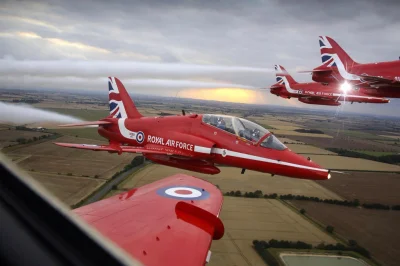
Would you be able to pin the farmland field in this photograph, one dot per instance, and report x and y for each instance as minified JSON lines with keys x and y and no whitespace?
{"x":361,"y":134}
{"x":248,"y":219}
{"x":230,"y":179}
{"x":347,"y":163}
{"x":376,"y":230}
{"x":349,"y":143}
{"x":86,"y":133}
{"x":49,"y":158}
{"x":89,"y":115}
{"x":308,"y":149}
{"x":294,"y":134}
{"x":70,"y":174}
{"x":10,"y":137}
{"x":68,"y":189}
{"x":13,"y":135}
{"x":367,"y":187}
{"x":283,"y":140}
{"x":285,"y":127}
{"x":377,"y":153}
{"x":391,"y":136}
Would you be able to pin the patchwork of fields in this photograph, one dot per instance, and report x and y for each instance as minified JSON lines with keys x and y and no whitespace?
{"x":376,"y":230}
{"x":248,"y":219}
{"x":347,"y":163}
{"x":367,"y":187}
{"x":70,"y":174}
{"x":230,"y":179}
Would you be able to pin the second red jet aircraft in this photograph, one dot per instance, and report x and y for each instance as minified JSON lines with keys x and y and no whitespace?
{"x":380,"y":79}
{"x":317,"y":93}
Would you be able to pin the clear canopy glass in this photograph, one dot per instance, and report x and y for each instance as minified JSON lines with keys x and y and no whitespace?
{"x":244,"y":129}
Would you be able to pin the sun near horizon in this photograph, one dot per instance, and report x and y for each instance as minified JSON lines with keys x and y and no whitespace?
{"x":236,"y":95}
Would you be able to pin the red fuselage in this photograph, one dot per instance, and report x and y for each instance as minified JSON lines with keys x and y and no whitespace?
{"x":352,"y":72}
{"x":191,"y":135}
{"x":316,"y":93}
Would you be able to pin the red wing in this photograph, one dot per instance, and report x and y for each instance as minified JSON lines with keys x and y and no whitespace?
{"x":150,"y":148}
{"x":375,"y":79}
{"x":275,"y":87}
{"x":316,"y":70}
{"x":169,"y":222}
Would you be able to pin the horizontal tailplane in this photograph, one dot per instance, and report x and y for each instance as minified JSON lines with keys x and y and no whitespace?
{"x":90,"y":123}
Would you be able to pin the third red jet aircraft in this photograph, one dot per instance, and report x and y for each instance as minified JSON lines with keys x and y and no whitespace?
{"x":376,"y":79}
{"x":196,"y":142}
{"x":317,"y":93}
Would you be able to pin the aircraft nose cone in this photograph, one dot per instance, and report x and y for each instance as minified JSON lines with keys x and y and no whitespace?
{"x":305,"y":168}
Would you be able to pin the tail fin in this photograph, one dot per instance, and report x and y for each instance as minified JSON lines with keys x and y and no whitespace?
{"x":332,"y":54}
{"x":121,"y":104}
{"x":282,"y":76}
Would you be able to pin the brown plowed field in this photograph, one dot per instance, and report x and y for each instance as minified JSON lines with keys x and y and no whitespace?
{"x":375,"y":230}
{"x":367,"y":187}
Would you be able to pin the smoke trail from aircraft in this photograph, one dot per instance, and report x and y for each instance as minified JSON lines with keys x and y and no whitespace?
{"x":18,"y":114}
{"x":84,"y":84}
{"x":122,"y":69}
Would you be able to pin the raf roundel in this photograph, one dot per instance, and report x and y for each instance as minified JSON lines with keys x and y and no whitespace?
{"x":183,"y":193}
{"x":140,"y":137}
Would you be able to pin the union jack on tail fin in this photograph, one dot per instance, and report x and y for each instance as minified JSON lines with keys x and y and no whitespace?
{"x":332,"y":55}
{"x":120,"y":103}
{"x":282,"y":75}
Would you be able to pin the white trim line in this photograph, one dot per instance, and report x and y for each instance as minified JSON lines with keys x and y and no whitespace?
{"x":261,"y":159}
{"x":202,"y":149}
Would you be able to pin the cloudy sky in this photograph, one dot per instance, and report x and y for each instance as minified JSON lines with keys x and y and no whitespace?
{"x":203,"y":49}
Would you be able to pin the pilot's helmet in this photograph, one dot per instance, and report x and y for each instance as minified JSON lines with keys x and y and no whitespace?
{"x":256,"y":132}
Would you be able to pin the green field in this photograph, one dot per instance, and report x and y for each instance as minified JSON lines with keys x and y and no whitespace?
{"x":360,"y":134}
{"x":89,"y":115}
{"x":376,"y":153}
{"x":86,"y":133}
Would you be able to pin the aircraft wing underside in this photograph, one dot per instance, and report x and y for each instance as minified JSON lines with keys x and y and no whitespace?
{"x":377,"y":82}
{"x":169,"y":222}
{"x":150,"y":148}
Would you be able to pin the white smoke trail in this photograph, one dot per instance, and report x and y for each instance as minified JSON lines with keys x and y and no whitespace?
{"x":102,"y":68}
{"x":25,"y":114}
{"x":29,"y":82}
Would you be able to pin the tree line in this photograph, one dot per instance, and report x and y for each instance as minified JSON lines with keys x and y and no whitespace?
{"x":29,"y":140}
{"x":353,"y":203}
{"x":391,"y":159}
{"x":138,"y":160}
{"x":313,"y":131}
{"x":262,"y":248}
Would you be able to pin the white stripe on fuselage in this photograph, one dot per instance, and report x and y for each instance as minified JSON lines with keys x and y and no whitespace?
{"x":201,"y":149}
{"x":287,"y":85}
{"x":126,"y":133}
{"x":261,"y":159}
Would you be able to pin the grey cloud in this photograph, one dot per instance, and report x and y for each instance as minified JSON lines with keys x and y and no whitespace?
{"x":232,"y":33}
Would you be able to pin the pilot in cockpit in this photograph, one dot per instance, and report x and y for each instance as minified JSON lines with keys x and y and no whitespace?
{"x":255,"y":134}
{"x":221,"y":123}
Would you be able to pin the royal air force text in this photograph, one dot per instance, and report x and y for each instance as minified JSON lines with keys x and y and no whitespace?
{"x":170,"y":143}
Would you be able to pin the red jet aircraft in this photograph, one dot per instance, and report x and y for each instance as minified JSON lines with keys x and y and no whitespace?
{"x":380,"y":79}
{"x":196,"y":142}
{"x":169,"y":222}
{"x":316,"y":93}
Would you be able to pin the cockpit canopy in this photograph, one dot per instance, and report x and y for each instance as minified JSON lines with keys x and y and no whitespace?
{"x":244,"y":129}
